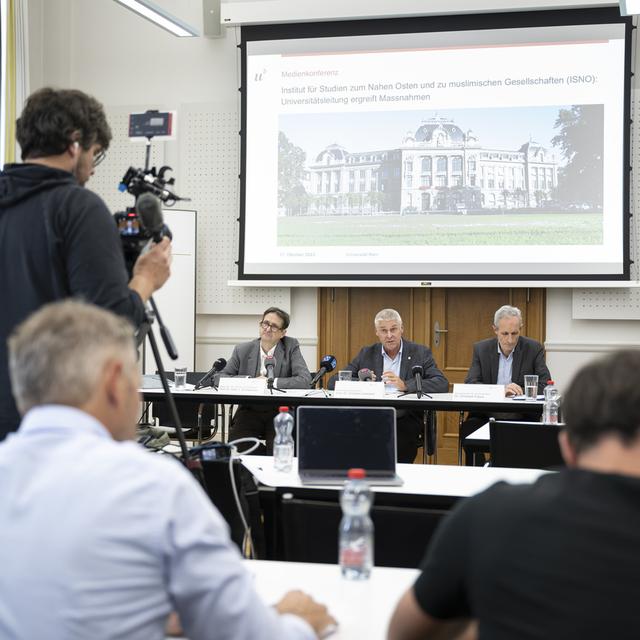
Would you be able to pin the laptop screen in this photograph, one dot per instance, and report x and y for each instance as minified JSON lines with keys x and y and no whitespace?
{"x":340,"y":438}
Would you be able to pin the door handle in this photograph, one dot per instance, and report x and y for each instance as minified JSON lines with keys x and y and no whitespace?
{"x":436,"y":333}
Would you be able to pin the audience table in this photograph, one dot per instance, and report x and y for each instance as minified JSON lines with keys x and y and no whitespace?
{"x":301,"y":521}
{"x":362,"y":608}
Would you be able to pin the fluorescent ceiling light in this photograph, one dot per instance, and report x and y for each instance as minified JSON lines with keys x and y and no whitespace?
{"x":629,"y":7}
{"x":160,"y":17}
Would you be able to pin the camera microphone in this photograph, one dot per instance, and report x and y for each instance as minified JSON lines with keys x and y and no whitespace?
{"x":149,"y":210}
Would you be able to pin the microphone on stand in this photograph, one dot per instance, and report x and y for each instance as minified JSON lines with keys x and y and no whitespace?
{"x":327,"y":364}
{"x":269,"y":365}
{"x":365,"y":375}
{"x":416,"y":372}
{"x":218,"y":365}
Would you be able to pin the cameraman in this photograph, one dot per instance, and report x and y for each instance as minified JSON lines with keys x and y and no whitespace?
{"x":57,"y":239}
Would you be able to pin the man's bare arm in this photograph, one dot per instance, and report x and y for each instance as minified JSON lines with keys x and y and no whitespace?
{"x":410,"y":622}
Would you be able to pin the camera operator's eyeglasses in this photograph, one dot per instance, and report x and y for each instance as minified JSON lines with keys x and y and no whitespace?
{"x":99,"y":157}
{"x":267,"y":325}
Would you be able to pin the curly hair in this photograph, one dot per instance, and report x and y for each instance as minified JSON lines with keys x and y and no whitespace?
{"x":52,"y":119}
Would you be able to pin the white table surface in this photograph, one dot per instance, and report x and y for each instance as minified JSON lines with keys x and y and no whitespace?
{"x":362,"y":608}
{"x":444,"y":400}
{"x":419,"y":479}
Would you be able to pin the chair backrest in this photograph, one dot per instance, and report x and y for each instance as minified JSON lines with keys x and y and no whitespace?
{"x":310,"y":529}
{"x":525,"y":445}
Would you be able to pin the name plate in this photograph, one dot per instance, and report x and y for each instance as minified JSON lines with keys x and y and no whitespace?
{"x":254,"y":386}
{"x":357,"y":389}
{"x":491,"y":392}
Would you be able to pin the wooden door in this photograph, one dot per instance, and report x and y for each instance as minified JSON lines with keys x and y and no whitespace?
{"x":345,"y":318}
{"x":463,"y":315}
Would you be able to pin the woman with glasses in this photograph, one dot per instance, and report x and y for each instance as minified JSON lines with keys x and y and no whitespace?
{"x":290,"y":371}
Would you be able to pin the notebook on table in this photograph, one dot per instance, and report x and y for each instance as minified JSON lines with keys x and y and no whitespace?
{"x":332,"y":440}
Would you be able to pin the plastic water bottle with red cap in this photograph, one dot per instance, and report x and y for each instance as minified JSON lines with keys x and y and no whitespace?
{"x":356,"y":528}
{"x":283,"y":441}
{"x":551,"y":407}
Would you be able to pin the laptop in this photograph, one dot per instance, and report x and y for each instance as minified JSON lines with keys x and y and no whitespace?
{"x":332,"y":440}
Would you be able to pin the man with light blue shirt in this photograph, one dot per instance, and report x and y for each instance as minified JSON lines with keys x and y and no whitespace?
{"x":98,"y":537}
{"x":392,"y":360}
{"x":505,"y":360}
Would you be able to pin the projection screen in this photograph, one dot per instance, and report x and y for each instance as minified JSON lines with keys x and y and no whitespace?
{"x":413,"y":149}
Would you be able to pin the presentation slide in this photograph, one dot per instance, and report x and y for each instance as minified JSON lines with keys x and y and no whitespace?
{"x":495,"y":153}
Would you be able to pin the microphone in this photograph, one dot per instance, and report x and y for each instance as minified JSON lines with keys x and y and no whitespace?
{"x":218,"y":365}
{"x":269,"y":365}
{"x":364,"y":375}
{"x":416,"y":372}
{"x":149,"y":210}
{"x":328,"y":363}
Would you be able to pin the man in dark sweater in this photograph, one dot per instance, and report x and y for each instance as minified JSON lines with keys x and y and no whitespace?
{"x":555,"y":559}
{"x":58,"y":239}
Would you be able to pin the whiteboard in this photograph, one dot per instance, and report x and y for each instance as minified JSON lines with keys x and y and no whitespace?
{"x":176,"y":301}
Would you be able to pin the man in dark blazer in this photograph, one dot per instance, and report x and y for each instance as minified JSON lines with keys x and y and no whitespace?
{"x":505,"y":359}
{"x":247,"y":360}
{"x":391,"y":360}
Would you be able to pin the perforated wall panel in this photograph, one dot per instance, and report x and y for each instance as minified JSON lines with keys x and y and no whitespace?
{"x":205,"y":161}
{"x":618,"y":304}
{"x":209,"y":149}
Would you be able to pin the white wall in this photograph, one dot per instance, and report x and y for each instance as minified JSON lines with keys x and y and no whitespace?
{"x":107,"y":51}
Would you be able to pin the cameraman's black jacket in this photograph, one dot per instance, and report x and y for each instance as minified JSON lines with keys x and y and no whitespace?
{"x":57,"y":239}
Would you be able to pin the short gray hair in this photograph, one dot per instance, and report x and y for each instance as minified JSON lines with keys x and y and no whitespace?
{"x":506,"y":311}
{"x":57,"y":354}
{"x":387,"y":314}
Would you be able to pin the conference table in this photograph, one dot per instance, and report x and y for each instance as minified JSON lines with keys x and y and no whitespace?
{"x":301,"y":522}
{"x":362,"y":608}
{"x":295,"y":397}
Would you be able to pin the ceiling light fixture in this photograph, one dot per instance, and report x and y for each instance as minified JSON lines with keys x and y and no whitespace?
{"x":160,"y":17}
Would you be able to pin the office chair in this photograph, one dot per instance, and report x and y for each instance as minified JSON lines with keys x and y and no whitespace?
{"x":310,"y":529}
{"x":430,"y":435}
{"x":193,"y":414}
{"x":525,"y":445}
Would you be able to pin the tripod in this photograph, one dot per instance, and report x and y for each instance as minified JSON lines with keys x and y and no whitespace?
{"x":144,"y":331}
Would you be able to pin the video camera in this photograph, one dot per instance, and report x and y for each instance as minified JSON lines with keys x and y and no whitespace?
{"x":140,"y":225}
{"x":139,"y":181}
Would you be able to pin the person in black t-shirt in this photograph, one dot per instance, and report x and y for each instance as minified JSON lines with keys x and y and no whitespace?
{"x":556,"y":559}
{"x":58,"y":239}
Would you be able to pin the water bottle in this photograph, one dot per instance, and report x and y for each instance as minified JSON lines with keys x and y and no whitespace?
{"x":356,"y":528}
{"x":283,"y":442}
{"x":551,"y":407}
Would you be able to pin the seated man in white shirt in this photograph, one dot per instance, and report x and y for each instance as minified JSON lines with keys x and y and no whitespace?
{"x":98,"y":537}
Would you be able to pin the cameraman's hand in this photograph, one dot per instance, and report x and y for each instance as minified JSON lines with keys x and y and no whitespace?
{"x":152,"y":270}
{"x":304,"y":606}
